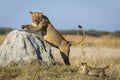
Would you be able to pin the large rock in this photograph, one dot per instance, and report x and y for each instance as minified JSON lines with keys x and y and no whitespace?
{"x":21,"y":46}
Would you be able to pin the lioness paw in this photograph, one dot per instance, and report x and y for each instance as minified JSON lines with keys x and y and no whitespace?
{"x":23,"y":26}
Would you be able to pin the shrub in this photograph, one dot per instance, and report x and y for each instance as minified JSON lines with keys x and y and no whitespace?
{"x":5,"y":30}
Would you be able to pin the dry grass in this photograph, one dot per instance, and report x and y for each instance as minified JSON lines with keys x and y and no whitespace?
{"x":36,"y":71}
{"x":106,"y":41}
{"x":2,"y":38}
{"x":97,"y":52}
{"x":96,"y":57}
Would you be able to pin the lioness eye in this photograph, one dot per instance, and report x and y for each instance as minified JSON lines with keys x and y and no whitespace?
{"x":39,"y":19}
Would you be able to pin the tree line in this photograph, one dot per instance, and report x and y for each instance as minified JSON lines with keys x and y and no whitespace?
{"x":96,"y":33}
{"x":5,"y":30}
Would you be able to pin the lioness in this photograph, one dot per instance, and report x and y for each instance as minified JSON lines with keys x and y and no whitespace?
{"x":40,"y":23}
{"x":87,"y":70}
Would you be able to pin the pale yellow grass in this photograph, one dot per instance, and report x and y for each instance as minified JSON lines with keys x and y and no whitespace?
{"x":106,"y":41}
{"x":97,"y":52}
{"x":2,"y":38}
{"x":96,"y":57}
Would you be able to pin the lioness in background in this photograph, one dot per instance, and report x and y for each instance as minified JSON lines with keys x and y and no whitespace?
{"x":88,"y":70}
{"x":40,"y":23}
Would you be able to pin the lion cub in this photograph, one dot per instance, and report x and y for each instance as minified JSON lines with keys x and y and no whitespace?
{"x":87,"y":70}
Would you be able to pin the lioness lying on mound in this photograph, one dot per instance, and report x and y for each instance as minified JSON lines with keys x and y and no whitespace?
{"x":40,"y":23}
{"x":85,"y":69}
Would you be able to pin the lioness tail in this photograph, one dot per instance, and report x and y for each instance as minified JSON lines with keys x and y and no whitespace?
{"x":82,"y":37}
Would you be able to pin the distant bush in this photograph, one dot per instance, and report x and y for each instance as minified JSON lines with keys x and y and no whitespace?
{"x":116,"y":33}
{"x":5,"y":30}
{"x":73,"y":32}
{"x":95,"y":33}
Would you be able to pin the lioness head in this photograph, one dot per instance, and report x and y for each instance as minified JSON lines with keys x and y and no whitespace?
{"x":36,"y":17}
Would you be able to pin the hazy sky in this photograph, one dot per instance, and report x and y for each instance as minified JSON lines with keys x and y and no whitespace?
{"x":63,"y":14}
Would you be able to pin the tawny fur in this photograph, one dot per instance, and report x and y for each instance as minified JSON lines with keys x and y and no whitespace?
{"x":88,"y":70}
{"x":40,"y":23}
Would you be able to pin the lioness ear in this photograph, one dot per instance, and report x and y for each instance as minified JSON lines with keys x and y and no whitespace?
{"x":41,"y":13}
{"x":31,"y":12}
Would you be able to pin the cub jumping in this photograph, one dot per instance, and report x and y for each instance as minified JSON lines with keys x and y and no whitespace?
{"x":41,"y":24}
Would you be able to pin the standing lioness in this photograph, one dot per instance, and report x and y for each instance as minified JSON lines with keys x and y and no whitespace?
{"x":40,"y":23}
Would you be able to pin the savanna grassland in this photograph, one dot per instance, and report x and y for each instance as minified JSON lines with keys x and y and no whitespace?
{"x":96,"y":51}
